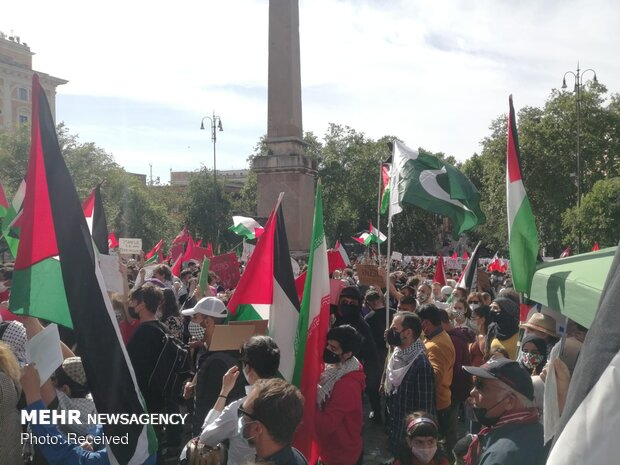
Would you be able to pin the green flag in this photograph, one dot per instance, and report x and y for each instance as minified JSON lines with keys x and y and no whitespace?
{"x":435,"y":186}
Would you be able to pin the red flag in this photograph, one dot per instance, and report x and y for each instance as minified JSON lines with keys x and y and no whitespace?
{"x":182,"y":237}
{"x":465,"y":255}
{"x":596,"y":247}
{"x":155,"y":249}
{"x":210,"y":250}
{"x":176,"y":268}
{"x":197,"y":244}
{"x":454,"y":256}
{"x":566,"y":252}
{"x":300,"y":283}
{"x":440,"y":274}
{"x":112,"y":241}
{"x":503,"y":266}
{"x":335,"y":261}
{"x":189,"y":251}
{"x":176,"y":251}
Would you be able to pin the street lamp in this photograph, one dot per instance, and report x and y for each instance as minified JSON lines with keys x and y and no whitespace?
{"x":216,"y":123}
{"x":578,"y":83}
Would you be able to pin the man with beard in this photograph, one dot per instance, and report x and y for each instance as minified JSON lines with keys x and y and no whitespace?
{"x":349,"y":312}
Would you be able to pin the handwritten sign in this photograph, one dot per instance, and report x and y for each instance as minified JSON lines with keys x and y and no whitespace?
{"x":227,"y":268}
{"x":129,"y":246}
{"x":369,"y":275}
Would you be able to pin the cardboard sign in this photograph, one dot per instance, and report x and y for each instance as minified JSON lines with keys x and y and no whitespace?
{"x":129,"y":246}
{"x":369,"y":275}
{"x":227,"y":268}
{"x":112,"y":277}
{"x":260,"y":326}
{"x":230,"y":337}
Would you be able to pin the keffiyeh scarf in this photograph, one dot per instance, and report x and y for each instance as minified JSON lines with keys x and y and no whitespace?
{"x":331,"y":375}
{"x":399,"y":365}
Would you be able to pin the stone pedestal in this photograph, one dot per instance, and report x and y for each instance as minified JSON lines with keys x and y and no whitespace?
{"x":293,"y":174}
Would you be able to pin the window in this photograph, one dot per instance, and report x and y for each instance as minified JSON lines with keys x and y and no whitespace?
{"x":22,"y":94}
{"x":23,"y":119}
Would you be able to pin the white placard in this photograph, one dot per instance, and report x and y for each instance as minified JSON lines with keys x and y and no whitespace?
{"x":111,"y":275}
{"x":397,"y":256}
{"x":44,"y":350}
{"x":129,"y":245}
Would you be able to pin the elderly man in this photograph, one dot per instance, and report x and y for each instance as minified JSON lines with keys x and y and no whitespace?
{"x":502,"y":399}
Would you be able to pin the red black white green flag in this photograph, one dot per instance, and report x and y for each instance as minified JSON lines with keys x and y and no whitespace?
{"x":95,"y":218}
{"x":56,"y":265}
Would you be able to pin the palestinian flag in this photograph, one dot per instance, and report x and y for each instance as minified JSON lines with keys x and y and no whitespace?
{"x":585,"y":433}
{"x":246,"y":227}
{"x":154,"y":254}
{"x":182,"y":237}
{"x":4,"y":203}
{"x":95,"y":218}
{"x":373,"y":236}
{"x":385,"y":188}
{"x":312,"y":331}
{"x":266,"y":290}
{"x":468,"y":278}
{"x":522,"y":232}
{"x":435,"y":186}
{"x":12,"y":219}
{"x":56,"y":258}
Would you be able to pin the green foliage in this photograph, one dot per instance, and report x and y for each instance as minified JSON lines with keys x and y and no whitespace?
{"x":598,"y":217}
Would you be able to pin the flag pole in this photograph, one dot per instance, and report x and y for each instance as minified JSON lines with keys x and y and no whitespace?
{"x":379,"y":207}
{"x":387,"y":276}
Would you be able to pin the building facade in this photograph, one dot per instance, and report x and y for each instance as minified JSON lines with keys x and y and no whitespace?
{"x":16,"y":83}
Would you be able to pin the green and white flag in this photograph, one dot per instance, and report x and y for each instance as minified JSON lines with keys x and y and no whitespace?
{"x":522,"y":232}
{"x":435,"y":186}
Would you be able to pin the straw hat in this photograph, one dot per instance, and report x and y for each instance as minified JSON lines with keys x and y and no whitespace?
{"x":541,"y":322}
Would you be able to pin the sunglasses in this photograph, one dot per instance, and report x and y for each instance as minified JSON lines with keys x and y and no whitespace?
{"x":473,"y":302}
{"x":241,"y":412}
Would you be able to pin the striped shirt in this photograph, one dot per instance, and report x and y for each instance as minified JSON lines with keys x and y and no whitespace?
{"x":416,"y":392}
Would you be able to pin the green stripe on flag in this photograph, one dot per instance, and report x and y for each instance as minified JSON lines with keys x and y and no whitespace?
{"x":39,"y":291}
{"x":246,"y":312}
{"x":523,"y":247}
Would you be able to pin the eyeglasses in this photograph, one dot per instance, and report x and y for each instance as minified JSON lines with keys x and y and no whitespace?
{"x":241,"y":412}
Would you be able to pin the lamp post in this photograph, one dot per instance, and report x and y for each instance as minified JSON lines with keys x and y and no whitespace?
{"x":578,"y":83}
{"x":216,"y":123}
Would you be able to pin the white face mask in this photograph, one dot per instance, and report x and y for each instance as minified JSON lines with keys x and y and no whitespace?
{"x":240,"y":428}
{"x":424,"y":455}
{"x":246,"y":373}
{"x":474,"y":306}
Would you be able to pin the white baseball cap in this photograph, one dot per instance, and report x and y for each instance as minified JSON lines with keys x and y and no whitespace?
{"x":209,"y":306}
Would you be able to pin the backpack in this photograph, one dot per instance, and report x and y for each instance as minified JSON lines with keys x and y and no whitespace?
{"x":172,"y":368}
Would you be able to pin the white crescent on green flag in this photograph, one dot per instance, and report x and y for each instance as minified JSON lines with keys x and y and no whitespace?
{"x":246,"y":227}
{"x":435,"y":186}
{"x":522,"y":233}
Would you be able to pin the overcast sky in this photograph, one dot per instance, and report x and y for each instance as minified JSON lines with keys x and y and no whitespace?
{"x":143,"y":74}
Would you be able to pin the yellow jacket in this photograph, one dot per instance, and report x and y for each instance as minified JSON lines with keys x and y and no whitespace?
{"x":440,"y":352}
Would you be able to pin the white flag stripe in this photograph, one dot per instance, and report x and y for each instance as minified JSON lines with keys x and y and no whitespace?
{"x":283,"y":319}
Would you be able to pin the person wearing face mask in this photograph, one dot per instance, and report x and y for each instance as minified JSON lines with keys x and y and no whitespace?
{"x":533,"y":356}
{"x":409,"y":379}
{"x":503,"y":332}
{"x":349,"y":312}
{"x":421,"y":442}
{"x":339,"y":418}
{"x":503,"y":402}
{"x":260,"y":359}
{"x":268,"y":419}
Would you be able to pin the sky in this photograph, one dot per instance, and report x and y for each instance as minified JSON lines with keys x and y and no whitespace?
{"x":142,"y":75}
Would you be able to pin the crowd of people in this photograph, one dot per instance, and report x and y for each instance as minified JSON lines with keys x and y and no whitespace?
{"x":448,"y":375}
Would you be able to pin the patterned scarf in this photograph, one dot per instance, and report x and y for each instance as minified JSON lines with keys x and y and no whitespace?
{"x":331,"y":375}
{"x":15,"y":337}
{"x":520,"y":417}
{"x":399,"y":365}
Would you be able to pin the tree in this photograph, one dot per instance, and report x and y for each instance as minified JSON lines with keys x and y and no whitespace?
{"x":598,"y":217}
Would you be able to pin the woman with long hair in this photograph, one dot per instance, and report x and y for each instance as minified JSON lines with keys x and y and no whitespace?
{"x":10,"y":391}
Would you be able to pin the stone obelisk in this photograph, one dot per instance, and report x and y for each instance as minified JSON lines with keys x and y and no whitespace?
{"x":286,"y":168}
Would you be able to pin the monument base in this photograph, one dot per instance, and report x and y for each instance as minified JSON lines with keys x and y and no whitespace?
{"x":295,"y":176}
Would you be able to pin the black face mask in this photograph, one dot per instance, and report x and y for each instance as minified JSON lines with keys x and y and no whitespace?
{"x":393,"y":337}
{"x":349,"y":311}
{"x":330,"y":357}
{"x":481,"y":415}
{"x":132,"y":313}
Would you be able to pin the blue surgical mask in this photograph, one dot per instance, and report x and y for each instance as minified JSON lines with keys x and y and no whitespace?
{"x":240,"y":427}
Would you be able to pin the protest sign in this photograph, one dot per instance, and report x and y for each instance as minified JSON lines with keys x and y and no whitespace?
{"x":111,"y":274}
{"x":43,"y":349}
{"x":227,"y":268}
{"x":397,"y":256}
{"x":129,"y":246}
{"x":369,"y":275}
{"x":230,"y":337}
{"x":260,"y":326}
